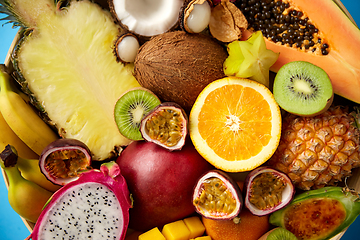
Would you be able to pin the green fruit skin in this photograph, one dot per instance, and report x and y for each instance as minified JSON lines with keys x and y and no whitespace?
{"x":349,"y":200}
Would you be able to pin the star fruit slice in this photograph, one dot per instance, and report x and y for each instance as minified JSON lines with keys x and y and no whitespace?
{"x":250,"y":59}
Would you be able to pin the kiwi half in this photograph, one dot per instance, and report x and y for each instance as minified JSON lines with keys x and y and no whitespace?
{"x":303,"y":88}
{"x":130,"y":109}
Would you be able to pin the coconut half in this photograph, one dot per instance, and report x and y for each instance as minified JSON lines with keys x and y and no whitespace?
{"x":147,"y":17}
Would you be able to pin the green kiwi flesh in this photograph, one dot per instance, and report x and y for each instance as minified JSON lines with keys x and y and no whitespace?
{"x":303,"y":88}
{"x":130,"y":109}
{"x":281,"y":234}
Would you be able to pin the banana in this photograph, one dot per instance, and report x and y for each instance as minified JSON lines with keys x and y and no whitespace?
{"x":30,"y":170}
{"x":25,"y":197}
{"x":8,"y":136}
{"x":21,"y":117}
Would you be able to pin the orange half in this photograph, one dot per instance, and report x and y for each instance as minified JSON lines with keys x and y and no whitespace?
{"x":235,"y":124}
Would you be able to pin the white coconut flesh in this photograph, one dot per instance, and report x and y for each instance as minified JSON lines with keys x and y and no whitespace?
{"x":83,"y":213}
{"x":148,"y":17}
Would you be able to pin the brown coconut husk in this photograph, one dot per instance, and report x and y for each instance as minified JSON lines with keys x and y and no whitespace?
{"x":177,"y":66}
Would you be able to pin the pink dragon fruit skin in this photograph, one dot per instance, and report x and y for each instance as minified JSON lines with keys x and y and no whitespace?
{"x":95,"y":206}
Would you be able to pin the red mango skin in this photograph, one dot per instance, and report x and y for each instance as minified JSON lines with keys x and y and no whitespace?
{"x":161,"y":182}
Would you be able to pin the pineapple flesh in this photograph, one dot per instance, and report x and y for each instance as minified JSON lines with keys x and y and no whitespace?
{"x":318,"y":151}
{"x":66,"y":63}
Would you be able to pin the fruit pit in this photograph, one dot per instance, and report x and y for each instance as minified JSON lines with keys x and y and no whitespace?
{"x":165,"y":126}
{"x":283,"y":23}
{"x":266,"y":191}
{"x":215,"y":198}
{"x":66,"y":163}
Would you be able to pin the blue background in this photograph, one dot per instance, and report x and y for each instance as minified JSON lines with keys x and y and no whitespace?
{"x":11,"y":225}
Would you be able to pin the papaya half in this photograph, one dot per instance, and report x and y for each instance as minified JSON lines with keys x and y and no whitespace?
{"x":318,"y":31}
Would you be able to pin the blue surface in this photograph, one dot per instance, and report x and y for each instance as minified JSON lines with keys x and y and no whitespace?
{"x":11,"y":225}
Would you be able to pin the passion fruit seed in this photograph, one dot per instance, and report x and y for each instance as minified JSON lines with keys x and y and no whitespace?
{"x":66,"y":163}
{"x":165,"y":126}
{"x":266,"y":190}
{"x":215,"y":197}
{"x":281,"y":22}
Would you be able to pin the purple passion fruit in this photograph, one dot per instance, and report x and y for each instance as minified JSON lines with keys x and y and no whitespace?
{"x":165,"y":125}
{"x":267,"y":190}
{"x":217,"y":196}
{"x":318,"y":214}
{"x":62,"y":160}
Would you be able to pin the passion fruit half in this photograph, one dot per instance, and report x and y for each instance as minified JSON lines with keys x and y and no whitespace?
{"x":267,"y":190}
{"x":217,"y":196}
{"x":62,"y":160}
{"x":165,"y":125}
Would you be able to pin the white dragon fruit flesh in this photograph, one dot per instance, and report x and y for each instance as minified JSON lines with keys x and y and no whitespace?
{"x":95,"y":206}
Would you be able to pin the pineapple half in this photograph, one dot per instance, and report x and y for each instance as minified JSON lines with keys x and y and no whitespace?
{"x":65,"y":62}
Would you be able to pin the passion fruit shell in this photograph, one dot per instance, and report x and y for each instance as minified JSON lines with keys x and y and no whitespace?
{"x":166,"y":125}
{"x":217,"y":196}
{"x":62,"y":160}
{"x":267,"y":190}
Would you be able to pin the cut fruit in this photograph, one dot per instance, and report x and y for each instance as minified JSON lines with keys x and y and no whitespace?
{"x":320,"y":32}
{"x":235,"y":124}
{"x":165,"y":125}
{"x":303,"y":89}
{"x":147,"y":18}
{"x":65,"y":63}
{"x":217,"y":196}
{"x":131,"y":108}
{"x":250,"y":59}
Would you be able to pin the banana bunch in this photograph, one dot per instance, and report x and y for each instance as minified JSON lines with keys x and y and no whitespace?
{"x":21,"y":117}
{"x":25,"y":131}
{"x":25,"y":197}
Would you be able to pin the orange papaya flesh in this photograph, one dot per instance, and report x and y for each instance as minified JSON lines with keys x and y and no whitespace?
{"x":342,"y":62}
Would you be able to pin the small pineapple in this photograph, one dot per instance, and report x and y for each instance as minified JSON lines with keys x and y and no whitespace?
{"x":65,"y":62}
{"x":318,"y":151}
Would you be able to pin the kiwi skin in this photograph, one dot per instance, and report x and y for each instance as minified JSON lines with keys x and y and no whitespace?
{"x":287,"y":95}
{"x":278,"y":233}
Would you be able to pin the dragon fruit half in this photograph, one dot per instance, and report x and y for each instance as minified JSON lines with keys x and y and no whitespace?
{"x":95,"y":206}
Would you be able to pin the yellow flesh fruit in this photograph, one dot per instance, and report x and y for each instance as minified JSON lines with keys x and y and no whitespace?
{"x":176,"y":231}
{"x":195,"y":226}
{"x":74,"y":75}
{"x":215,"y":198}
{"x":153,"y":234}
{"x":165,"y":126}
{"x":266,"y":190}
{"x":66,"y":163}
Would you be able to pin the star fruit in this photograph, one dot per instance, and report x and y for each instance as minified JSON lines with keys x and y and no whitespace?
{"x":250,"y":59}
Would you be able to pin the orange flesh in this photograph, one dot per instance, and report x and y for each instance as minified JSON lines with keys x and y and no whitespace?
{"x":245,"y":125}
{"x":315,"y":218}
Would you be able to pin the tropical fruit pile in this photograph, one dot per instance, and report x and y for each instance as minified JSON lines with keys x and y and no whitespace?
{"x":181,"y":119}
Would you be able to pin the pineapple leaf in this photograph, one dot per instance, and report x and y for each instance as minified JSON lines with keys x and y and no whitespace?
{"x":356,"y":115}
{"x":12,"y":17}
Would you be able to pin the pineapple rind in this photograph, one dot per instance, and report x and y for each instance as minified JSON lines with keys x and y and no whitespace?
{"x":69,"y":66}
{"x":318,"y":151}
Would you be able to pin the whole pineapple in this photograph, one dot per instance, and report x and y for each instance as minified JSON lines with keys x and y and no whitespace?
{"x":318,"y":151}
{"x":65,"y":62}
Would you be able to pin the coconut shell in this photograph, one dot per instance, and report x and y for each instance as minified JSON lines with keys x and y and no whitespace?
{"x":177,"y":66}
